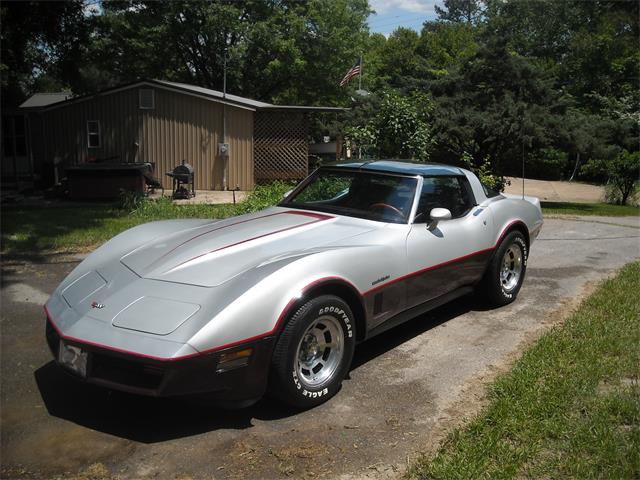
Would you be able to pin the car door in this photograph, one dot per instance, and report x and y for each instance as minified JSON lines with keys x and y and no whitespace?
{"x":451,"y":253}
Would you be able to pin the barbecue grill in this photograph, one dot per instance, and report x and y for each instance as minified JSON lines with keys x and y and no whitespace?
{"x":183,"y":181}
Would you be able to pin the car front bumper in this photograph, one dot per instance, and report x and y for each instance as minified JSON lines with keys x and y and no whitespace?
{"x":196,"y":375}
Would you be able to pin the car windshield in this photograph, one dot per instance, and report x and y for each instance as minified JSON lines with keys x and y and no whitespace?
{"x":374,"y":196}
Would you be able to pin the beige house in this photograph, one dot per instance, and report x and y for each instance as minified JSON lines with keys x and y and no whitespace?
{"x":164,"y":123}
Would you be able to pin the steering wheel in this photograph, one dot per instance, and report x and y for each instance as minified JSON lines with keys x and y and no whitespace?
{"x":389,"y":207}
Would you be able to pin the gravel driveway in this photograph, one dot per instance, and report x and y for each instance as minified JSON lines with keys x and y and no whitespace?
{"x":406,"y":389}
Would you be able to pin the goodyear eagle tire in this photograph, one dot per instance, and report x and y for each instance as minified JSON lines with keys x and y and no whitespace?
{"x":313,"y":353}
{"x":505,"y":274}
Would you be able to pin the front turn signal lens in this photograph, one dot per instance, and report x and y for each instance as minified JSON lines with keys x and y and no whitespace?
{"x":232,"y":360}
{"x":73,"y":358}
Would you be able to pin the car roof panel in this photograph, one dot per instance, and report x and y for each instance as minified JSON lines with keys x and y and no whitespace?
{"x":404,"y":167}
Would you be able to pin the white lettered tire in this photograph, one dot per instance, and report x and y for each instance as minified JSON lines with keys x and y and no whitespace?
{"x":505,"y":274}
{"x":313,"y":353}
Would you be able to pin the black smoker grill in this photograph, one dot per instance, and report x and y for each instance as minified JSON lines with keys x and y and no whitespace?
{"x":183,"y":181}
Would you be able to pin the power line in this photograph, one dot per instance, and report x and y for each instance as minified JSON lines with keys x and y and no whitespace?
{"x":393,"y":18}
{"x":420,"y":19}
{"x":391,"y":24}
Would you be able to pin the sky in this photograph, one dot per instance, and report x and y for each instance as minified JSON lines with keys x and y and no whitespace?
{"x":391,"y":14}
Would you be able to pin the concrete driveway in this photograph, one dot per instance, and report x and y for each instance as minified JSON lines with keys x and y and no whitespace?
{"x":406,"y":389}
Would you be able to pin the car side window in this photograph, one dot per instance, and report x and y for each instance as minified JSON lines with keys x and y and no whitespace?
{"x":444,"y":192}
{"x":489,"y":192}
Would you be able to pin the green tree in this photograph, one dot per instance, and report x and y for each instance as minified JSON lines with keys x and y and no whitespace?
{"x":446,"y":46}
{"x":590,"y":46}
{"x":622,"y":173}
{"x":402,"y":126}
{"x":492,"y":107}
{"x":401,"y":67}
{"x":276,"y":51}
{"x":399,"y":128}
{"x":459,"y":11}
{"x":42,"y":43}
{"x":375,"y":77}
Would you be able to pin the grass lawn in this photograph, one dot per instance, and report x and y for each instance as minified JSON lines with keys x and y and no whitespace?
{"x":570,"y":407}
{"x":77,"y":228}
{"x":29,"y":230}
{"x":82,"y":227}
{"x":604,"y":209}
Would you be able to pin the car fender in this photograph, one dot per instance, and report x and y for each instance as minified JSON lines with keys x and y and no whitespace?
{"x":509,"y":212}
{"x":265,"y":301}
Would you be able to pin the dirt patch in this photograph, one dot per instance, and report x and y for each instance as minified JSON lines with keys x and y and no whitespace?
{"x":556,"y":191}
{"x":606,"y":388}
{"x":64,"y":448}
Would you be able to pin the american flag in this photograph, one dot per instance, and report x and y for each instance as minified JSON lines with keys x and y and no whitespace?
{"x":355,"y":70}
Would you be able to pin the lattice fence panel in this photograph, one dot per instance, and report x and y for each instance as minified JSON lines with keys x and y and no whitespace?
{"x":280,"y":146}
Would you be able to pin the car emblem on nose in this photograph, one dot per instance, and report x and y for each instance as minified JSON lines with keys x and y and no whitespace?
{"x":97,"y":305}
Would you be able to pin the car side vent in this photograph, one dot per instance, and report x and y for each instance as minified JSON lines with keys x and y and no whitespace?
{"x":146,"y":98}
{"x":377,"y":304}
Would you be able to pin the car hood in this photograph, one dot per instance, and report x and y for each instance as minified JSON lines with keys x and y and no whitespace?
{"x":214,"y":253}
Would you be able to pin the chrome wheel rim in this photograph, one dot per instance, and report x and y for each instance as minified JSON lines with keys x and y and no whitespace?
{"x":320,"y":351}
{"x":511,"y":268}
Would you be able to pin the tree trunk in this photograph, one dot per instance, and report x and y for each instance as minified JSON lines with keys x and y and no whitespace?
{"x":575,"y":169}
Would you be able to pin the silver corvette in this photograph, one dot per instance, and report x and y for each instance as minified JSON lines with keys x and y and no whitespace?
{"x":276,"y":301}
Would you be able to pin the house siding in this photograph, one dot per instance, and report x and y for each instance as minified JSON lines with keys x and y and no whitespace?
{"x":180,"y":127}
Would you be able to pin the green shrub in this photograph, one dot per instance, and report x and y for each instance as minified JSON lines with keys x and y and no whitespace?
{"x":264,"y":196}
{"x":484,"y":173}
{"x":130,"y":201}
{"x":142,"y":207}
{"x":622,"y":173}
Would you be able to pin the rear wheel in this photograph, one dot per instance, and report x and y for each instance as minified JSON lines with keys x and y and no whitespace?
{"x":313,"y":353}
{"x":505,"y":274}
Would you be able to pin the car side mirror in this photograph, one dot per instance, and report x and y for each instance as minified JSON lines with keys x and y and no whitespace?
{"x":438,"y":215}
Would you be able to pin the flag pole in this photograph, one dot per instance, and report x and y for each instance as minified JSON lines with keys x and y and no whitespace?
{"x":360,"y":75}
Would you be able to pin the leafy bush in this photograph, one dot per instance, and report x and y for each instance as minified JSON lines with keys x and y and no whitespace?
{"x":484,"y":173}
{"x":612,"y":195}
{"x":146,"y":209}
{"x":622,"y":173}
{"x":130,"y":201}
{"x":264,"y":196}
{"x":153,"y":209}
{"x":398,"y":128}
{"x":402,"y":126}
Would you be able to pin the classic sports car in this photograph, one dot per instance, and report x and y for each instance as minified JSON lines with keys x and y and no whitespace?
{"x":277,"y":300}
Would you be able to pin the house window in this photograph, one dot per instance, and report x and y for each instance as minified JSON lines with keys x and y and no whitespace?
{"x":93,"y":134}
{"x":146,"y":98}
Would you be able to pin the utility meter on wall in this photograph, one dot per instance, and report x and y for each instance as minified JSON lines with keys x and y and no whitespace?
{"x":223,"y":149}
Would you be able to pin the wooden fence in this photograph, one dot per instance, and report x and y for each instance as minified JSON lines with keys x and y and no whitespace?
{"x":281,"y":146}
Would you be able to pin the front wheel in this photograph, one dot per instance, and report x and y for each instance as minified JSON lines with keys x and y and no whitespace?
{"x":505,"y":274}
{"x":313,"y":353}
